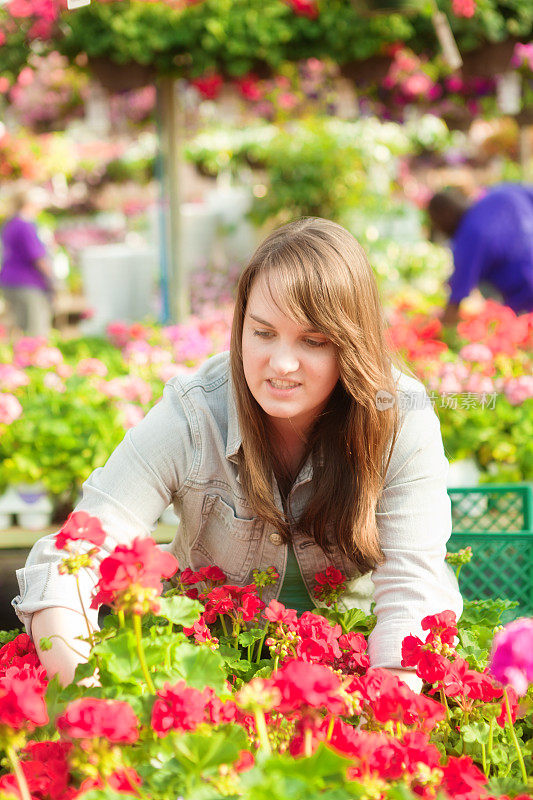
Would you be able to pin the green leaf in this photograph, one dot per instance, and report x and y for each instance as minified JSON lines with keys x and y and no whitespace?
{"x":8,"y":636}
{"x":180,"y":610}
{"x":169,"y":658}
{"x":199,"y":754}
{"x":475,"y":732}
{"x":200,"y":667}
{"x":108,"y":794}
{"x":247,"y":638}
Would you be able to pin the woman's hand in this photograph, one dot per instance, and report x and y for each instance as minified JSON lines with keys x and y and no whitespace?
{"x":62,"y":625}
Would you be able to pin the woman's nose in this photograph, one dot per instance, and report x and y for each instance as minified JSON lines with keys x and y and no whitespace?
{"x":283,"y":361}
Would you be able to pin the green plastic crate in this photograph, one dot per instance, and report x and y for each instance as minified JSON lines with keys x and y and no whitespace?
{"x":497,"y":522}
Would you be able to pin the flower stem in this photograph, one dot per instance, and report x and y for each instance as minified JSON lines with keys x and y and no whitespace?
{"x":235,"y":633}
{"x":491,"y":736}
{"x":444,"y":703}
{"x":19,"y":774}
{"x":260,"y":647}
{"x":58,"y":636}
{"x":484,"y":759}
{"x":262,"y":731}
{"x":513,"y":737}
{"x":331,"y":725}
{"x":121,"y":619}
{"x":308,"y":742}
{"x":86,"y":618}
{"x":223,"y":623}
{"x":137,"y":627}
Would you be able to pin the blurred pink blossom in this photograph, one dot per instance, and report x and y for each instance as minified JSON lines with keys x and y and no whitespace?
{"x":91,"y":366}
{"x":476,"y":352}
{"x":10,"y":408}
{"x":511,"y":659}
{"x":54,"y":382}
{"x":131,"y":414}
{"x":12,"y":378}
{"x":168,"y":371}
{"x":64,"y":370}
{"x":478,"y":383}
{"x":518,"y":390}
{"x":449,"y":385}
{"x":142,"y":354}
{"x":25,"y":348}
{"x":127,"y":387}
{"x":47,"y":357}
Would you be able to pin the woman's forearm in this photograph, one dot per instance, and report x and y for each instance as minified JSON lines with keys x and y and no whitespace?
{"x":409,"y":677}
{"x":64,"y":626}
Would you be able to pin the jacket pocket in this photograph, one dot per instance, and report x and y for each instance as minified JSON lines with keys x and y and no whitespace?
{"x":225,"y":540}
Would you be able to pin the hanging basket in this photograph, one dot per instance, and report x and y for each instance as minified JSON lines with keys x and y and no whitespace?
{"x":121,"y":77}
{"x":366,"y":71}
{"x":489,"y":60}
{"x":458,"y":119}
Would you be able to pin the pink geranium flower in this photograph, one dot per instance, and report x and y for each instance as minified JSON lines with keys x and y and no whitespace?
{"x":511,"y":660}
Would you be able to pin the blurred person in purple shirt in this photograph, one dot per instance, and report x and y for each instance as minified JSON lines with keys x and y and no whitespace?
{"x":26,"y":278}
{"x":492,"y":245}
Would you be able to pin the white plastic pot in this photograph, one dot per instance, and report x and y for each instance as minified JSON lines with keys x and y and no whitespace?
{"x":34,"y":520}
{"x":6,"y":521}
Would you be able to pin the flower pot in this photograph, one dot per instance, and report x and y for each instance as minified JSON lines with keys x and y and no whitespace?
{"x":121,"y":77}
{"x":489,"y":60}
{"x":466,"y":473}
{"x":8,"y":504}
{"x":33,"y":507}
{"x":6,"y":521}
{"x":366,"y":71}
{"x":34,"y":520}
{"x":463,"y":472}
{"x":458,"y":119}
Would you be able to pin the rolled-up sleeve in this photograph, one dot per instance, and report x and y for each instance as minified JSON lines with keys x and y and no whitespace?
{"x":414,"y":522}
{"x":146,"y":472}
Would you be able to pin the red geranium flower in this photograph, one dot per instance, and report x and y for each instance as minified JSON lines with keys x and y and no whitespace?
{"x":304,"y":8}
{"x":131,"y":576}
{"x":277,"y":613}
{"x":461,"y":680}
{"x":311,"y":686}
{"x":124,"y":781}
{"x":354,"y":656}
{"x":93,"y":717}
{"x":443,"y":625}
{"x":386,"y":697}
{"x":22,"y":701}
{"x":80,"y":525}
{"x":20,"y":652}
{"x":179,"y":708}
{"x":319,"y":639}
{"x":461,"y":778}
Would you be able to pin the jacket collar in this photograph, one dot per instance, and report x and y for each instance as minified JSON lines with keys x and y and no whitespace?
{"x":234,"y":440}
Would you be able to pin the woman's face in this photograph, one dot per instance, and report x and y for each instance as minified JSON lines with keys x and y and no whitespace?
{"x":290,"y":369}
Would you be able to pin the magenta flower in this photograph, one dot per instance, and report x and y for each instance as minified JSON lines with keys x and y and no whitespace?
{"x":511,"y":660}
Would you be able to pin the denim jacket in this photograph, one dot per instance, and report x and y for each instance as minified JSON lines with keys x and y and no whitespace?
{"x":185,"y":452}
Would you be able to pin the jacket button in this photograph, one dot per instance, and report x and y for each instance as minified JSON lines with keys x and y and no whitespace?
{"x":275,"y":538}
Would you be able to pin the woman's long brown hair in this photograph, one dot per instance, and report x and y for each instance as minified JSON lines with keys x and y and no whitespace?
{"x":319,"y":275}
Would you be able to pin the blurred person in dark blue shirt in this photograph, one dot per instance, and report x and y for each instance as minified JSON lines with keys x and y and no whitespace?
{"x":492,"y":245}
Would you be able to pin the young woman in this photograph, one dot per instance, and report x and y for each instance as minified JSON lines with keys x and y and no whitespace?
{"x":302,"y":447}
